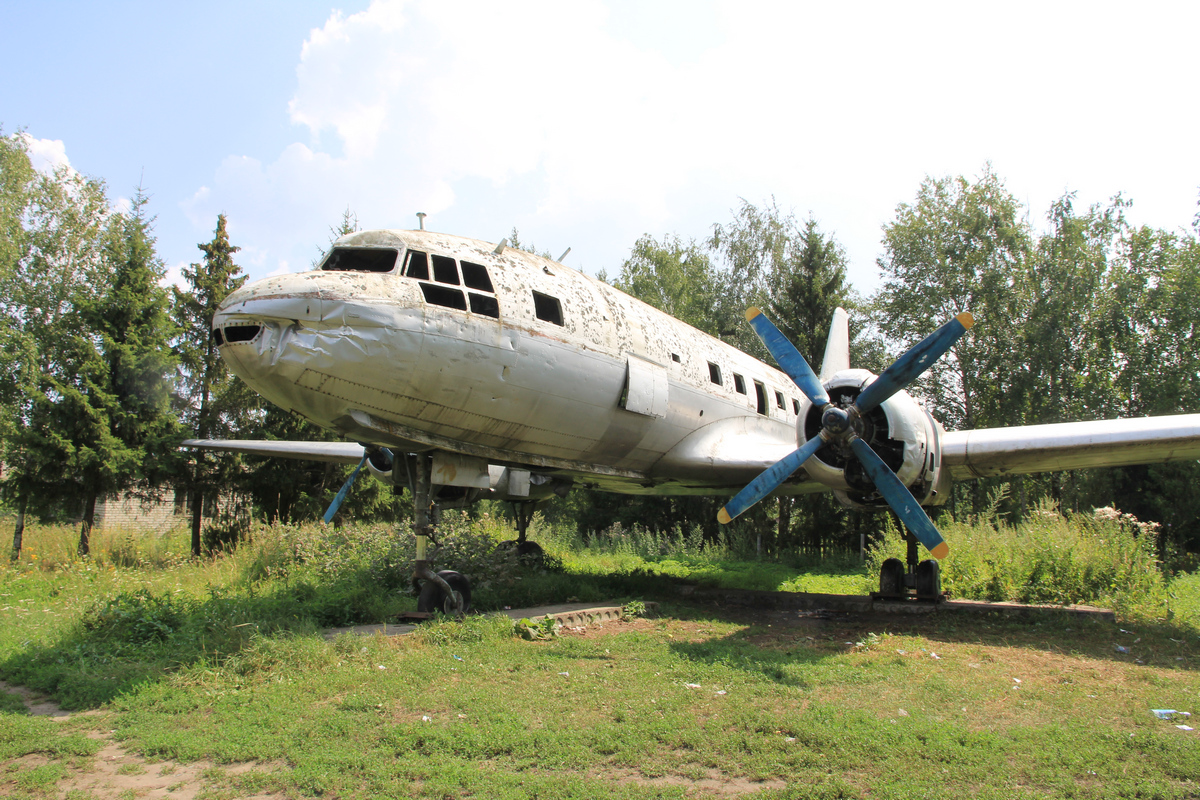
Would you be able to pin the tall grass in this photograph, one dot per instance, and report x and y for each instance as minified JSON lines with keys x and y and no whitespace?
{"x":1104,"y":558}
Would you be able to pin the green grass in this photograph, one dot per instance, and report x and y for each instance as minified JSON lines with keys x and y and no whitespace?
{"x":471,"y":710}
{"x":223,"y":660}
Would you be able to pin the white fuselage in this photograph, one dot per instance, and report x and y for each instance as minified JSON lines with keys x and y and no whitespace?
{"x":549,"y":369}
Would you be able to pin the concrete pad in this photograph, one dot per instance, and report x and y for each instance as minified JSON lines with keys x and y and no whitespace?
{"x":865,"y":604}
{"x":571,"y":615}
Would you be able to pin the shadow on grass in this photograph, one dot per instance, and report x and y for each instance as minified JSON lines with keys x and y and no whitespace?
{"x":136,"y":637}
{"x":772,"y":641}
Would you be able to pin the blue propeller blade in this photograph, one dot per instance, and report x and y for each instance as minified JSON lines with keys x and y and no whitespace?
{"x":914,"y":362}
{"x":341,"y":495}
{"x":767,"y":482}
{"x":901,"y":500}
{"x":788,"y":358}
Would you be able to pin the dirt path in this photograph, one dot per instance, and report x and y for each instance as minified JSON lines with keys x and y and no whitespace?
{"x":115,"y":772}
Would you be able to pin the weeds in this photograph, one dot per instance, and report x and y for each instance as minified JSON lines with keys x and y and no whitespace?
{"x":1105,"y":558}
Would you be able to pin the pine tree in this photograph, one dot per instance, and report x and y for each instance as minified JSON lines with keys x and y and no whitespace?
{"x":215,"y":404}
{"x":115,"y":414}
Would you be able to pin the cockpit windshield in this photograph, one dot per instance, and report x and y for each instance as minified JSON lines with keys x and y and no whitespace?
{"x":361,"y":259}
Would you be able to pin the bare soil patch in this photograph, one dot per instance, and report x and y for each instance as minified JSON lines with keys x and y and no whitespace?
{"x":115,"y":772}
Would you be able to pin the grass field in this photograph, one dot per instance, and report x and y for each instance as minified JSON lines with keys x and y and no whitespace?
{"x":213,"y":677}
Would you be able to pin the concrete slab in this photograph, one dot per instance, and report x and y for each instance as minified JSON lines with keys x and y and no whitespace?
{"x":864,"y":604}
{"x":571,"y":615}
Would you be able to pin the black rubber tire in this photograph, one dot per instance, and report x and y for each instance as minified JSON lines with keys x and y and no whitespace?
{"x":929,"y":580}
{"x":891,"y":578}
{"x":433,"y":599}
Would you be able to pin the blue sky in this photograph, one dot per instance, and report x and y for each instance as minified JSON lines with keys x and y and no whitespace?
{"x":586,"y":124}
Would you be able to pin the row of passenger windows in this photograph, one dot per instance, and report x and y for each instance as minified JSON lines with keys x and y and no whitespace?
{"x":760,"y":390}
{"x":444,"y":281}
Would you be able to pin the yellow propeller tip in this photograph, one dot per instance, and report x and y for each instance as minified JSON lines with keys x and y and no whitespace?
{"x":941,"y":551}
{"x":752,"y":312}
{"x":966,"y":319}
{"x":723,"y":516}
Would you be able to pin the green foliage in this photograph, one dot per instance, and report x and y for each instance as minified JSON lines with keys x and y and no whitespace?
{"x":1105,"y":559}
{"x":958,"y":247}
{"x":135,"y":618}
{"x":676,"y":277}
{"x":544,"y":628}
{"x":634,"y":608}
{"x":212,"y":403}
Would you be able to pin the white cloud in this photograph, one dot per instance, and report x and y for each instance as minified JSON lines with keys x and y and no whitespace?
{"x":174,"y":277}
{"x":46,"y":155}
{"x":548,"y":115}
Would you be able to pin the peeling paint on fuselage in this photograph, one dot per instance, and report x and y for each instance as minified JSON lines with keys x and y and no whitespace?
{"x":517,"y":389}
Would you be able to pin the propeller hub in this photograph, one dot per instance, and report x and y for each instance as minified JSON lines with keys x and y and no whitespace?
{"x":835,"y":420}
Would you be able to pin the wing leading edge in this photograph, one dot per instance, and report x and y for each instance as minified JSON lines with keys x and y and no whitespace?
{"x":989,"y":452}
{"x":334,"y":452}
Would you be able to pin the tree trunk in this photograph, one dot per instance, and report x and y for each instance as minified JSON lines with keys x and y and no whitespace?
{"x":85,"y":527}
{"x":19,"y":529}
{"x":783,"y":530}
{"x":197,"y":500}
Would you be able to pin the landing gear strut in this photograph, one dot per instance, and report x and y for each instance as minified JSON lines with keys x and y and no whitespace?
{"x":527,"y":552}
{"x":919,"y":579}
{"x":445,"y":591}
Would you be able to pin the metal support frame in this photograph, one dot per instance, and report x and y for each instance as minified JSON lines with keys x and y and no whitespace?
{"x":522,"y":514}
{"x":911,"y":558}
{"x":423,"y":513}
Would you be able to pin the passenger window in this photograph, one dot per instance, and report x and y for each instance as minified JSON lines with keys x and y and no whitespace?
{"x":443,"y":296}
{"x":445,"y":270}
{"x":739,"y":384}
{"x":417,"y":265}
{"x":760,"y":393}
{"x":779,"y":399}
{"x":475,"y":276}
{"x":795,"y":406}
{"x":484,"y":304}
{"x":547,"y":308}
{"x":714,"y":373}
{"x":353,"y":259}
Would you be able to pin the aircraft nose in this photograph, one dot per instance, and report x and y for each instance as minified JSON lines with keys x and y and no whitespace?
{"x":286,"y":297}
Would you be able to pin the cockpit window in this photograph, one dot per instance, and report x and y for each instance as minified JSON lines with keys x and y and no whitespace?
{"x":475,"y":276}
{"x":416,"y":265}
{"x":445,"y":273}
{"x":442,"y":296}
{"x":445,"y":270}
{"x":361,"y":259}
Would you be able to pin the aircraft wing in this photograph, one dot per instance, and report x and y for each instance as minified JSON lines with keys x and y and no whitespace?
{"x":335,"y":452}
{"x":989,"y":452}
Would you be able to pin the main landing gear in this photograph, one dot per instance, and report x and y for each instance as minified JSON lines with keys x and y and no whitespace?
{"x":446,"y":590}
{"x":527,"y":552}
{"x":921,"y":580}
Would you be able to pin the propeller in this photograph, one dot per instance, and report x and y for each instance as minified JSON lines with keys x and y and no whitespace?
{"x":341,"y":495}
{"x":842,"y":424}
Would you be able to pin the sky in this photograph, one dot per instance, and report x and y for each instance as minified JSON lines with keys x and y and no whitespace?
{"x":589,"y":123}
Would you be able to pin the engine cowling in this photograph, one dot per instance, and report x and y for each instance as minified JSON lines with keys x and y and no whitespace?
{"x":899,"y":430}
{"x":381,"y":465}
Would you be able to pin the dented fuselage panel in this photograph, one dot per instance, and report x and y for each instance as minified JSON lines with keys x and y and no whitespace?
{"x":505,"y":356}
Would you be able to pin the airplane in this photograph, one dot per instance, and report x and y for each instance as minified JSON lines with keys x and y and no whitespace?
{"x":462,"y":368}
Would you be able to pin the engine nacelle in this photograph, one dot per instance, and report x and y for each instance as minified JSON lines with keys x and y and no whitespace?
{"x":903,"y":433}
{"x":382,"y":466}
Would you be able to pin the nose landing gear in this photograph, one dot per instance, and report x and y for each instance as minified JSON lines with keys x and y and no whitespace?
{"x":446,"y":591}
